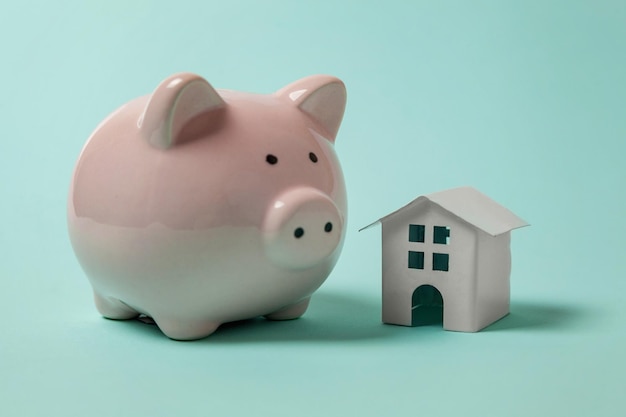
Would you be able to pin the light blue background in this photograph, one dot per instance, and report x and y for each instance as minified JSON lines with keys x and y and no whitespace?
{"x":524,"y":100}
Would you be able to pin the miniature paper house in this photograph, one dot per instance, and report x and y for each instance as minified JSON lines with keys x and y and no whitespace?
{"x":449,"y":249}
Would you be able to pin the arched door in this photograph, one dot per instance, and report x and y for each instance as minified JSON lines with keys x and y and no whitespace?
{"x":427,"y":306}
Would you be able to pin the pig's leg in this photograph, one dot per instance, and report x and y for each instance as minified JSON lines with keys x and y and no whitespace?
{"x":112,"y":308}
{"x":186,"y":329}
{"x":290,"y":312}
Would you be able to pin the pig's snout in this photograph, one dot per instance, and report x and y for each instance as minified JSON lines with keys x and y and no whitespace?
{"x":302,"y":227}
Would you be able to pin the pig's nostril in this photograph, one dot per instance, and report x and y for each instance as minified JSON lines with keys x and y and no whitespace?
{"x":328,"y":227}
{"x":298,"y":233}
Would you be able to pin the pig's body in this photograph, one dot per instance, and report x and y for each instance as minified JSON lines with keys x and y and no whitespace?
{"x":197,"y":211}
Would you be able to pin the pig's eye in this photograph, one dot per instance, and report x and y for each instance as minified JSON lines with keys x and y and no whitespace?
{"x":313,"y":157}
{"x":271,"y":159}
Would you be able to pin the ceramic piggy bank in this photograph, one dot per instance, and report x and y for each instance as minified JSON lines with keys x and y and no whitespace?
{"x":197,"y":206}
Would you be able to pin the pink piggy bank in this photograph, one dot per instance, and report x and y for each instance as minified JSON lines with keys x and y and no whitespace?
{"x":198,"y":207}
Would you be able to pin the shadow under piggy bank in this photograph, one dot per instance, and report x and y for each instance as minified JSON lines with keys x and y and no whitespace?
{"x":330,"y":317}
{"x":333,"y":317}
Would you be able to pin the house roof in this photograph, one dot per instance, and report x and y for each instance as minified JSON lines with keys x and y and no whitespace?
{"x":470,"y":205}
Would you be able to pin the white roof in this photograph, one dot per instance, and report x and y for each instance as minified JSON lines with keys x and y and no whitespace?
{"x":470,"y":205}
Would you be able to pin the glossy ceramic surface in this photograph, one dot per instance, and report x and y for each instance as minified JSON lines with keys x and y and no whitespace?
{"x":198,"y":206}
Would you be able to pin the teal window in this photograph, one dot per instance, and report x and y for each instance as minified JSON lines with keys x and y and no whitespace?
{"x":440,"y":261}
{"x":416,"y":260}
{"x":416,"y":233}
{"x":441,"y":234}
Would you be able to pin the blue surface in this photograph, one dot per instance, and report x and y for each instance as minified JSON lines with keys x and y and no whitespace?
{"x":526,"y":101}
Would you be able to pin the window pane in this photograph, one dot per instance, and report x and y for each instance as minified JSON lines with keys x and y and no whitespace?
{"x":440,"y":261}
{"x":416,"y":260}
{"x":416,"y":233}
{"x":441,"y":235}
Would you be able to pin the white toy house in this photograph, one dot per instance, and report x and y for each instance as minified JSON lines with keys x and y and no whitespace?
{"x":450,"y":249}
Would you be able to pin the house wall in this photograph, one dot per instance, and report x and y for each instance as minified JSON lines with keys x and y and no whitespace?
{"x":493,"y":278}
{"x":457,"y":285}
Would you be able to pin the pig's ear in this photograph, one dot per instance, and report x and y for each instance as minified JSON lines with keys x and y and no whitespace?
{"x":322,"y":97}
{"x":176,"y":102}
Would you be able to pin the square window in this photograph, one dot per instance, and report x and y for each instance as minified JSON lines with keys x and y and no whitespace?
{"x":416,"y":260}
{"x":416,"y":233}
{"x":441,"y":234}
{"x":440,"y":261}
